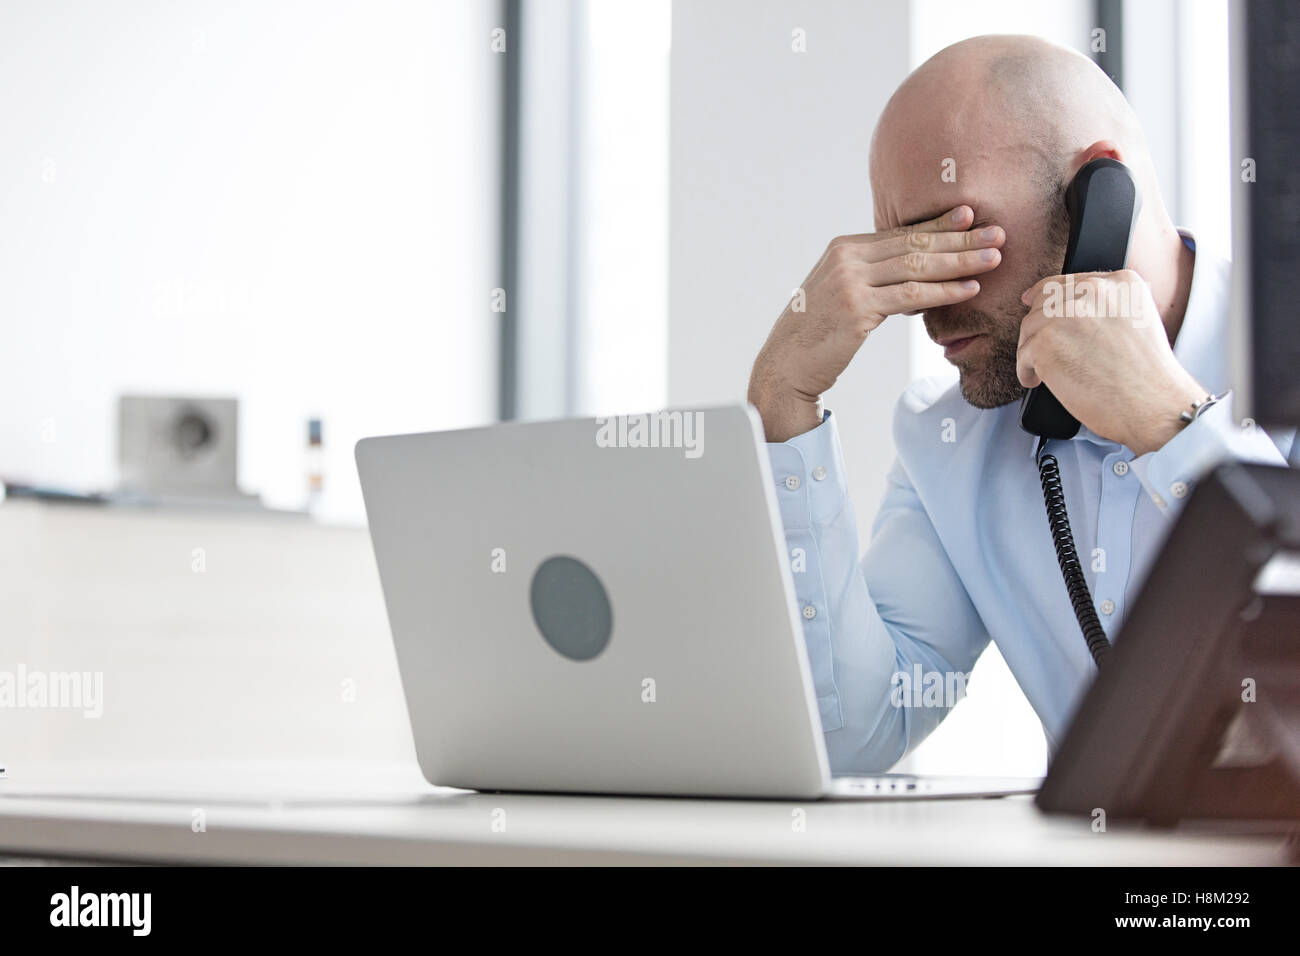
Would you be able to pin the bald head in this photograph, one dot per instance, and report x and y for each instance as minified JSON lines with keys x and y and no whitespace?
{"x":1001,"y":124}
{"x":1015,"y":106}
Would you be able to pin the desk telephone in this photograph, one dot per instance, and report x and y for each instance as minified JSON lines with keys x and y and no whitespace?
{"x":1102,"y":202}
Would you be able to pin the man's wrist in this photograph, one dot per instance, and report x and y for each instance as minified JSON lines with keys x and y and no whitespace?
{"x":786,"y":413}
{"x":1162,"y":423}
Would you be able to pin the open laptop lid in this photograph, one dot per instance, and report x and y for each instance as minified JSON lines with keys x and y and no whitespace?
{"x":598,"y":605}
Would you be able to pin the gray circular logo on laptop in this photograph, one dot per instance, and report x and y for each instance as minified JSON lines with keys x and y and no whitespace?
{"x":571,"y":607}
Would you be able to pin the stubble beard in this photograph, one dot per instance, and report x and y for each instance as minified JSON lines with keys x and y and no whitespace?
{"x":990,"y":381}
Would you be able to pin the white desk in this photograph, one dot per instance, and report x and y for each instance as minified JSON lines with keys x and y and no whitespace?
{"x":385,"y":814}
{"x":215,"y":675}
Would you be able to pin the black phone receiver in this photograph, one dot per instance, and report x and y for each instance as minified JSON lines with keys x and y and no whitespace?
{"x":1103,"y":203}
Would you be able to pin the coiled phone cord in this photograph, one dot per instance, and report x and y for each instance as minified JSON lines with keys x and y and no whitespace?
{"x":1068,"y":557}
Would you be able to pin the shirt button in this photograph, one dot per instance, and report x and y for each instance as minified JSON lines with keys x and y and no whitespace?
{"x":809,"y":612}
{"x":1179,"y":489}
{"x":819,"y":473}
{"x":1107,"y":607}
{"x":1160,"y":502}
{"x":1121,"y":468}
{"x":792,"y":482}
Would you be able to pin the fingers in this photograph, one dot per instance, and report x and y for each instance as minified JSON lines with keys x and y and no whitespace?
{"x":1026,"y":374}
{"x":959,"y":217}
{"x":1031,"y":325}
{"x":921,"y":266}
{"x":957,"y":220}
{"x":914,"y":296}
{"x":933,"y":267}
{"x":1077,"y":280}
{"x":1030,"y":296}
{"x":1025,"y":366}
{"x":906,"y":243}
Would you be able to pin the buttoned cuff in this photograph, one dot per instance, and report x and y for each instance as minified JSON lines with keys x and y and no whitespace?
{"x":809,"y":473}
{"x":810,"y":492}
{"x":1169,"y":473}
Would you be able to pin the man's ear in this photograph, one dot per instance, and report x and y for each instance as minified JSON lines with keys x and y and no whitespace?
{"x":1107,"y":148}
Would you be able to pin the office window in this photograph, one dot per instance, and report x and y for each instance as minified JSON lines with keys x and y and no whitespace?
{"x":291,"y":202}
{"x":624,"y":319}
{"x":1176,"y":78}
{"x":593,"y":208}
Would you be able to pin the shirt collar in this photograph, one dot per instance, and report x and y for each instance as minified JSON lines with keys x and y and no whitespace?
{"x":1200,"y":346}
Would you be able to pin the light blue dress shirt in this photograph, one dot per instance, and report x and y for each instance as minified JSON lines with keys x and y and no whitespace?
{"x":960,"y":550}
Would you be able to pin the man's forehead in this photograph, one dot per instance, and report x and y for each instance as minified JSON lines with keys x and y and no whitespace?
{"x":908,"y":207}
{"x":934,"y":212}
{"x":906,"y":193}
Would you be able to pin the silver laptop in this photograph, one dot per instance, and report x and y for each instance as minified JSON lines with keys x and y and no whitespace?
{"x":604,"y":606}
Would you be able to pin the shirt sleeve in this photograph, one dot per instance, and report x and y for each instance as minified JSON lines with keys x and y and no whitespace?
{"x":890,"y":637}
{"x":1169,"y":473}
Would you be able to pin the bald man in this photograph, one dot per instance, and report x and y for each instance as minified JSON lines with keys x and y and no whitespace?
{"x":970,"y":161}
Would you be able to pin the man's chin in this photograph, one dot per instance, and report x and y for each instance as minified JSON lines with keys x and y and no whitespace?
{"x":984,"y":391}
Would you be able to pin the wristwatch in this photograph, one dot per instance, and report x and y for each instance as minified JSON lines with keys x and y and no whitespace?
{"x":1198,"y":408}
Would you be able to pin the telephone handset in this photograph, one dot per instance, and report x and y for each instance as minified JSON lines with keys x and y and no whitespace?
{"x":1103,"y":203}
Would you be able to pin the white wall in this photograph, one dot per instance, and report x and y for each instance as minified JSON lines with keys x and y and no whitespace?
{"x":768,"y":164}
{"x":291,"y":202}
